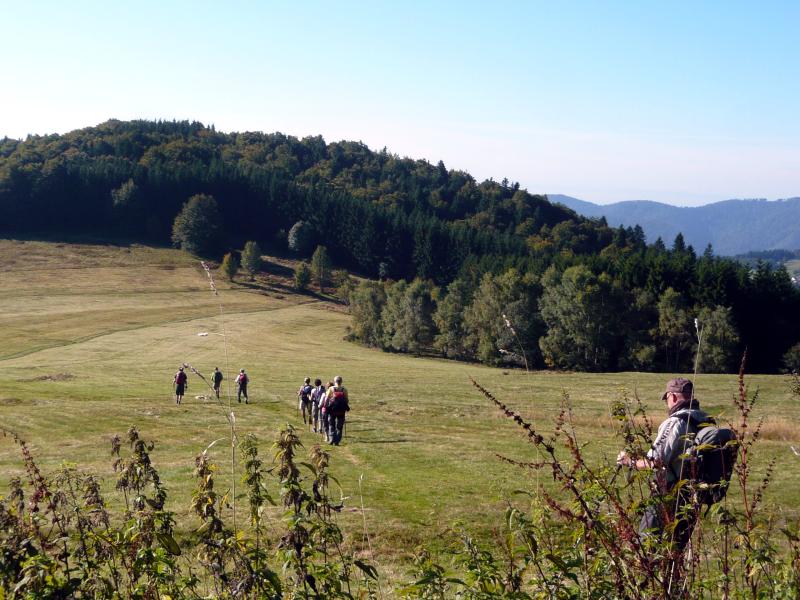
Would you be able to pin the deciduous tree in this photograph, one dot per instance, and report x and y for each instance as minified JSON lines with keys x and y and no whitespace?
{"x":197,"y":227}
{"x":718,"y":351}
{"x":366,"y":305}
{"x":230,"y":266}
{"x":583,"y":314}
{"x":301,"y":238}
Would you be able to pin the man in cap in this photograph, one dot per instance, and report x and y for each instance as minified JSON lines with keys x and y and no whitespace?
{"x":665,"y":458}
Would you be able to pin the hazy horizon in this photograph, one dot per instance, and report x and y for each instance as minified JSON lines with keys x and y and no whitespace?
{"x":681,"y":103}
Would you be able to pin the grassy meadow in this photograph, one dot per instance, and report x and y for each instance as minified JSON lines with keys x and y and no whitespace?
{"x":90,"y":336}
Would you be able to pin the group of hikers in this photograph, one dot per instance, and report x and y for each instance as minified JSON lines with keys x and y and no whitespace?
{"x":323,"y":406}
{"x":181,"y":382}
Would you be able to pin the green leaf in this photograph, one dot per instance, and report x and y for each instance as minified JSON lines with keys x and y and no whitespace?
{"x":369,"y":570}
{"x":274,"y":581}
{"x":310,"y":467}
{"x":562,"y":566}
{"x":169,"y":543}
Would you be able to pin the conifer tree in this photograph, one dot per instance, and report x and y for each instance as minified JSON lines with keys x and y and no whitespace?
{"x":321,"y":267}
{"x":302,"y":276}
{"x":251,"y":258}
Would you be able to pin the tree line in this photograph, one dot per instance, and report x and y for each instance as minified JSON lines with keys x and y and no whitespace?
{"x":622,"y":318}
{"x":392,"y":218}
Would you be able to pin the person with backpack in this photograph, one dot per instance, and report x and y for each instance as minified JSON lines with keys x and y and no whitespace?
{"x":316,"y":398}
{"x":241,"y":381}
{"x":181,"y":382}
{"x":304,"y":396}
{"x":688,"y":448}
{"x":337,"y":406}
{"x":323,"y":411}
{"x":217,"y":379}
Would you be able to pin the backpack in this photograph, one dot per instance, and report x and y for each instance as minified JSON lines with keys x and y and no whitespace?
{"x":180,"y":378}
{"x":243,"y":379}
{"x":712,"y":458}
{"x":316,"y":395}
{"x":305,"y":392}
{"x":338,"y":404}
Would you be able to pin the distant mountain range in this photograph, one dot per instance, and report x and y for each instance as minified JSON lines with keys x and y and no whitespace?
{"x":732,"y":227}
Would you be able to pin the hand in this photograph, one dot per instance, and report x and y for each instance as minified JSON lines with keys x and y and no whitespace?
{"x":623,"y":459}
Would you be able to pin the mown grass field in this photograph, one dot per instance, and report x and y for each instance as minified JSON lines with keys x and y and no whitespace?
{"x":90,"y":337}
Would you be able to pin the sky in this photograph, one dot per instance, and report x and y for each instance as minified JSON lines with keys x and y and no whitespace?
{"x":679,"y":102}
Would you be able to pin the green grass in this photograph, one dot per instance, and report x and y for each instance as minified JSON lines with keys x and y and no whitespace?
{"x":91,"y":336}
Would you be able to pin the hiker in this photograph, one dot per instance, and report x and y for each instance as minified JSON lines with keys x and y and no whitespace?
{"x":316,"y":398}
{"x":181,"y":382}
{"x":304,"y":396}
{"x":218,"y":381}
{"x":323,"y":411}
{"x":337,"y":406}
{"x":242,"y":380}
{"x":672,"y":442}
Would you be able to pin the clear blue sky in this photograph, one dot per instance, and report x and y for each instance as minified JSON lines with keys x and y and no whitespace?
{"x":682,"y":102}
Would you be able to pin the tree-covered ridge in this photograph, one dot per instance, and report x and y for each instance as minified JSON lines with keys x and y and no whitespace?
{"x":388,"y":215}
{"x":136,"y":148}
{"x":488,"y":248}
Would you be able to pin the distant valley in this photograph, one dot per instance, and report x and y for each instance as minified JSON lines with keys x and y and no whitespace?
{"x":732,"y":227}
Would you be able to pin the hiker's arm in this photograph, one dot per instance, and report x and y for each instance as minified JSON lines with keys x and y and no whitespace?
{"x":638,"y":464}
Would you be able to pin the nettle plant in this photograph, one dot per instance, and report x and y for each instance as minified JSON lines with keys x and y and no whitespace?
{"x":59,"y":538}
{"x":579,"y":536}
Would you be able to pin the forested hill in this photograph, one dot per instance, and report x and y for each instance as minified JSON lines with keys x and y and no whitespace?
{"x":579,"y":294}
{"x":401,"y":216}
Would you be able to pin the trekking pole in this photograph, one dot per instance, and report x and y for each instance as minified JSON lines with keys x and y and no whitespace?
{"x":614,"y":476}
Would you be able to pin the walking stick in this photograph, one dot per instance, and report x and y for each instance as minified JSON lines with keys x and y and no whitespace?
{"x":614,"y":476}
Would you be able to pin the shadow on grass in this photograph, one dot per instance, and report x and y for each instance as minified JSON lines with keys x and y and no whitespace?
{"x":276,"y":287}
